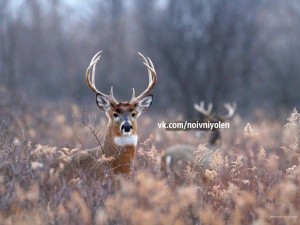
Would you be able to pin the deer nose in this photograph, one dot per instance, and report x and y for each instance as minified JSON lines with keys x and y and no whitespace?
{"x":126,"y":127}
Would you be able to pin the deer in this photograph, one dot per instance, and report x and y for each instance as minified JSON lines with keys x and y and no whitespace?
{"x":176,"y":158}
{"x":121,"y":137}
{"x":121,"y":134}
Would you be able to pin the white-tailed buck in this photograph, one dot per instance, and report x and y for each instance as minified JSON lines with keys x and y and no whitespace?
{"x":121,"y":133}
{"x":176,"y":158}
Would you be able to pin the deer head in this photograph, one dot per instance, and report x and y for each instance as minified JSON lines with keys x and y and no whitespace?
{"x":215,"y":136}
{"x":213,"y":116}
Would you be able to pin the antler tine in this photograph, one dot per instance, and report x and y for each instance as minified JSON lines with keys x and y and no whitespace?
{"x":92,"y":65}
{"x":152,"y":79}
{"x":146,"y":63}
{"x":133,"y":94}
{"x":112,"y":91}
{"x":231,"y":108}
{"x":91,"y":80}
{"x":151,"y":69}
{"x":200,"y":108}
{"x":95,"y":59}
{"x":209,"y":108}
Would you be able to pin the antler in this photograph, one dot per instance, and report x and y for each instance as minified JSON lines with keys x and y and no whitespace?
{"x":200,"y":108}
{"x":152,"y":79}
{"x":91,"y":82}
{"x":231,"y":108}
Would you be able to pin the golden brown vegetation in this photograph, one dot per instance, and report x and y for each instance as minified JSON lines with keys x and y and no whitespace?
{"x":253,"y":179}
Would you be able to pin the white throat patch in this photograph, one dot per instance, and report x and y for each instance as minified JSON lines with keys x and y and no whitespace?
{"x":126,"y":140}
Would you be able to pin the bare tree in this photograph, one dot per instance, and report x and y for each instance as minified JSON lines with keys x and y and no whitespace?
{"x":216,"y":51}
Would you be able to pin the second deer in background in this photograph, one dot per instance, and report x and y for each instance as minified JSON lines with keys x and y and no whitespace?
{"x":176,"y":158}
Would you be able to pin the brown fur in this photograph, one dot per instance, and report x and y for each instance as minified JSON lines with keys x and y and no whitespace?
{"x":123,"y":156}
{"x":123,"y":163}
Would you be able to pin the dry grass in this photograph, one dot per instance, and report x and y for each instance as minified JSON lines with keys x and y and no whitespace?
{"x":253,"y":179}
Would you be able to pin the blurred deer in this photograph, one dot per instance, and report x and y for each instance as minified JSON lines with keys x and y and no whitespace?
{"x":176,"y":159}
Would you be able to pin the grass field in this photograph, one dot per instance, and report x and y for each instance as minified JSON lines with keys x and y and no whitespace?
{"x":254,"y":178}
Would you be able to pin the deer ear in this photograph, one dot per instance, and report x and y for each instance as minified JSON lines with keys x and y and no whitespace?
{"x":103,"y":103}
{"x":145,"y":103}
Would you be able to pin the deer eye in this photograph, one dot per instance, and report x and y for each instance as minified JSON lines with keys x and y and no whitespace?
{"x":133,"y":114}
{"x":116,"y":115}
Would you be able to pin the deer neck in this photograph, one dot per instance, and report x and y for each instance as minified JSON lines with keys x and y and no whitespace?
{"x":122,"y":148}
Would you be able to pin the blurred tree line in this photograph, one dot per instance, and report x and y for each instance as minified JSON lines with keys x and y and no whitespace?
{"x":214,"y":50}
